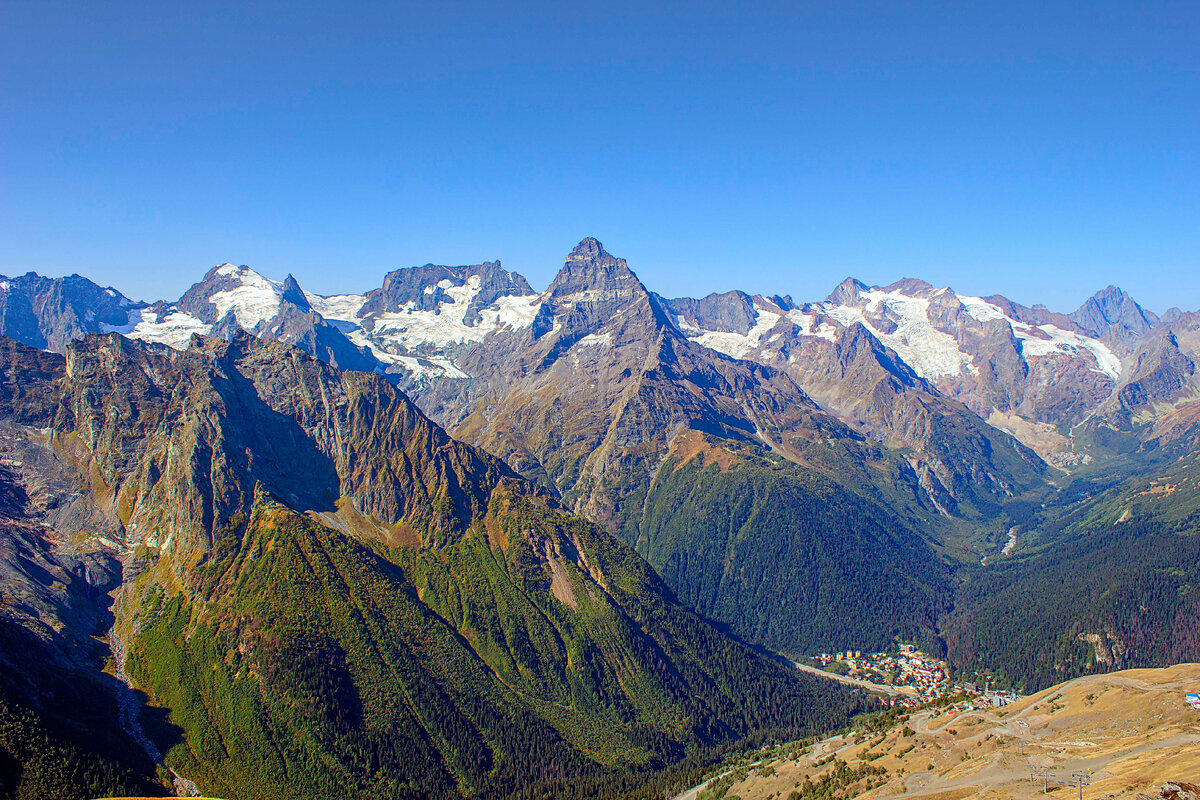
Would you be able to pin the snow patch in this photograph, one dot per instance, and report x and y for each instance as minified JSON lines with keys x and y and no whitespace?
{"x":256,"y":300}
{"x":133,"y":318}
{"x":1066,"y":343}
{"x":433,"y":367}
{"x":596,"y":340}
{"x":175,"y":330}
{"x":805,"y":323}
{"x":411,"y":327}
{"x":513,"y":311}
{"x":981,"y":309}
{"x":931,"y":353}
{"x":342,"y":307}
{"x":227,"y":270}
{"x":737,"y":345}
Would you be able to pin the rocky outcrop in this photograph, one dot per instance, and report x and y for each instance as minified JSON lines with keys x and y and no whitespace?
{"x":1113,"y":315}
{"x":48,"y":313}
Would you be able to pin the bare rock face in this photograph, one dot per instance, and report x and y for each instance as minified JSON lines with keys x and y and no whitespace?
{"x":1112,"y":314}
{"x":1159,"y":385}
{"x":425,"y":288}
{"x":185,"y":441}
{"x":1160,"y":373}
{"x":731,"y":312}
{"x":1179,"y":790}
{"x":47,"y":313}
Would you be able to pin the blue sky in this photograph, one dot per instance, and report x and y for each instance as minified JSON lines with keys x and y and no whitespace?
{"x":1039,"y":150}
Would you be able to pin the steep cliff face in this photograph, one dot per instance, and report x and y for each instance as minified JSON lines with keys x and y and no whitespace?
{"x":47,"y":313}
{"x":1112,"y":314}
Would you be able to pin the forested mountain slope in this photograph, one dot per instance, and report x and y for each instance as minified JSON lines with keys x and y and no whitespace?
{"x":328,"y":596}
{"x":1096,"y":581}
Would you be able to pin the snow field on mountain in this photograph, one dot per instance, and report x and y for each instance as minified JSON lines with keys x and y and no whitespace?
{"x":343,"y":307}
{"x":1068,"y":343}
{"x":737,"y":345}
{"x":411,"y":327}
{"x":256,"y":300}
{"x":805,"y":323}
{"x":931,"y":353}
{"x":395,"y":336}
{"x":175,"y":330}
{"x":596,"y":340}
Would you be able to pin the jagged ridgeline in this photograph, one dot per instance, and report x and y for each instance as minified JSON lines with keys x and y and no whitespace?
{"x":327,"y":596}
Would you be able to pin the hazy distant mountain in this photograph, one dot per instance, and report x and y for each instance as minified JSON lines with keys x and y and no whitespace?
{"x":49,"y":312}
{"x":1021,"y":368}
{"x":1114,"y":314}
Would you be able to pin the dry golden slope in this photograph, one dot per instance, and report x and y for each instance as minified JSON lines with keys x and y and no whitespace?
{"x":1132,"y":729}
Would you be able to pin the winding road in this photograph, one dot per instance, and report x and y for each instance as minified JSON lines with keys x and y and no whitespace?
{"x":895,"y":691}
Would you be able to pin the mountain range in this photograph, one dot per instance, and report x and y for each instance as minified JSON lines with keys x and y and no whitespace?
{"x":454,"y":536}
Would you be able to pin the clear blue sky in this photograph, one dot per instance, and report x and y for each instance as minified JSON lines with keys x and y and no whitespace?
{"x":1040,"y":150}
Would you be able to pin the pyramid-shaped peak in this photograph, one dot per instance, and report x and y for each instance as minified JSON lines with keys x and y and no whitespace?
{"x":590,"y":249}
{"x":1113,"y":308}
{"x":847,"y":292}
{"x":293,"y":294}
{"x":590,"y":266}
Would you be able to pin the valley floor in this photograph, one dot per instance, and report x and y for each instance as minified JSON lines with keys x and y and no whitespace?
{"x":1132,"y":729}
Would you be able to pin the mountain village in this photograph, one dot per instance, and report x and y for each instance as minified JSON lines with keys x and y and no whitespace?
{"x":922,"y":678}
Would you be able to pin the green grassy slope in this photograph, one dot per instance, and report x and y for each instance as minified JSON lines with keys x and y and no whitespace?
{"x":325,"y":667}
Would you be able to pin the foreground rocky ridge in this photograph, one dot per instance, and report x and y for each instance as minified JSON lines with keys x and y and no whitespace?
{"x":282,"y":531}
